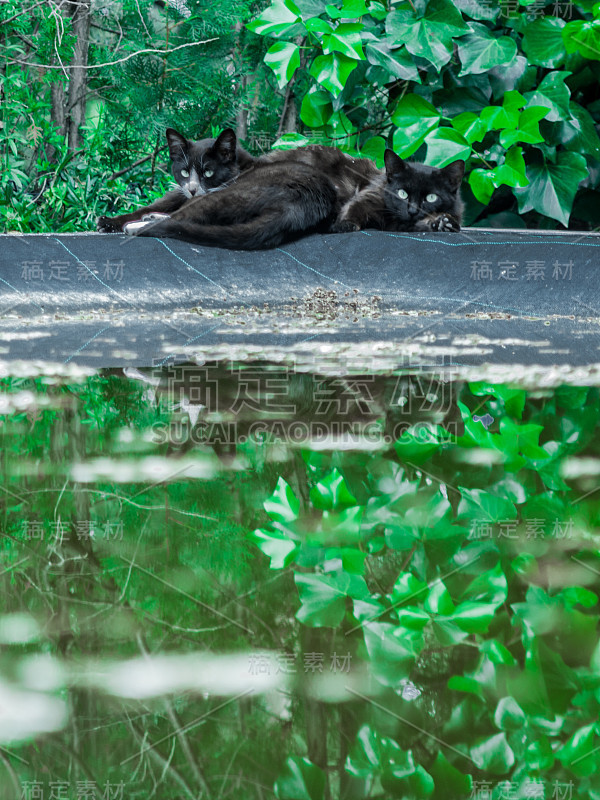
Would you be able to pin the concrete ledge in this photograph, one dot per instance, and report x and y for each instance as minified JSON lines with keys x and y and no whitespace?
{"x":374,"y":298}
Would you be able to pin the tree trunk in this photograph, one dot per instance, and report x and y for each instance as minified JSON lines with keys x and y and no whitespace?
{"x":315,"y":717}
{"x":241,"y":118}
{"x":68,"y":102}
{"x":80,"y":16}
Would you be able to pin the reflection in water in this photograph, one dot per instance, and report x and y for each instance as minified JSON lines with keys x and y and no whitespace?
{"x":241,"y":580}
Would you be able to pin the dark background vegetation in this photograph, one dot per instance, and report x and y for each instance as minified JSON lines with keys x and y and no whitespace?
{"x":510,"y":88}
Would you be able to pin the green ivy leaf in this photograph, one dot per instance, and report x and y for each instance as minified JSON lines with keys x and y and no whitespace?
{"x":407,"y":587}
{"x":344,"y":525}
{"x":584,"y":138}
{"x":471,"y":126}
{"x":400,"y":781}
{"x":284,"y":60}
{"x":439,"y":601}
{"x":552,"y":187}
{"x":497,"y":652}
{"x":429,"y":37}
{"x":345,"y":39}
{"x":417,"y":447}
{"x":365,"y":758}
{"x":539,"y":756}
{"x":398,"y":62}
{"x":316,"y":109}
{"x":301,"y":780}
{"x":282,"y":505}
{"x":353,"y":560}
{"x":554,"y":95}
{"x":519,"y":438}
{"x":275,"y":19}
{"x":509,"y":716}
{"x":374,"y":148}
{"x":332,"y":492}
{"x":449,"y":781}
{"x":351,"y":9}
{"x":490,"y":586}
{"x":446,"y":145}
{"x":414,"y":118}
{"x":583,"y":37}
{"x":477,"y":504}
{"x":311,"y":8}
{"x":323,"y":600}
{"x":528,"y":128}
{"x":543,"y":42}
{"x":481,"y":50}
{"x":473,"y":617}
{"x":317,"y":25}
{"x":504,"y":116}
{"x":412,"y":617}
{"x":332,"y":71}
{"x":279,"y":547}
{"x":478,"y":9}
{"x":512,"y":399}
{"x":339,"y":125}
{"x":493,"y":754}
{"x":580,"y":753}
{"x":391,"y":653}
{"x":579,"y":595}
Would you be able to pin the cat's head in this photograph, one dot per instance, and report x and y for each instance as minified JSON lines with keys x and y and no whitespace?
{"x":414,"y":191}
{"x":205,"y":165}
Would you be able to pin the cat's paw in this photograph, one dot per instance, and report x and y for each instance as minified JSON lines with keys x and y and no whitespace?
{"x":344,"y":226}
{"x":134,"y":228}
{"x":444,"y":223}
{"x":108,"y":225}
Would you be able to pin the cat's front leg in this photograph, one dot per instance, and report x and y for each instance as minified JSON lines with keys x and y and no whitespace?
{"x":444,"y":222}
{"x":344,"y":226}
{"x":147,"y":221}
{"x":165,"y":205}
{"x":352,"y":217}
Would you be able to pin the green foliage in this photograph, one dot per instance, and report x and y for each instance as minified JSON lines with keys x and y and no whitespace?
{"x":517,"y":652}
{"x":512,"y":93}
{"x":48,"y":184}
{"x":459,"y":573}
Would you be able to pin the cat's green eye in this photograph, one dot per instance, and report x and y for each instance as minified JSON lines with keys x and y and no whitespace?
{"x":402,"y":194}
{"x":185,"y":173}
{"x":208,"y":173}
{"x":431,"y":198}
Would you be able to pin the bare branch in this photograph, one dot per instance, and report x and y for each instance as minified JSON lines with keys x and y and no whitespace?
{"x":25,"y":11}
{"x":135,"y":164}
{"x":119,"y":60}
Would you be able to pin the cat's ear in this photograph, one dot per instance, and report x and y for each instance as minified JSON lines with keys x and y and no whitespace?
{"x":453,"y":174}
{"x":393,"y":163}
{"x":225,"y":145}
{"x":178,"y":144}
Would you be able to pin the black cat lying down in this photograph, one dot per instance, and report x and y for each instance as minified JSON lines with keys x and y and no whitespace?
{"x":300,"y":177}
{"x":261,"y":203}
{"x":263,"y":208}
{"x":407,"y":197}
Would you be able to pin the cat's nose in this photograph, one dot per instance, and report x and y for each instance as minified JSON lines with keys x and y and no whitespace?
{"x":413,"y":209}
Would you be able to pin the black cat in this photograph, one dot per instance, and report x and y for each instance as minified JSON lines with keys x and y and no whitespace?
{"x":408,"y":196}
{"x":265,"y":207}
{"x":198,"y":167}
{"x":203,"y":167}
